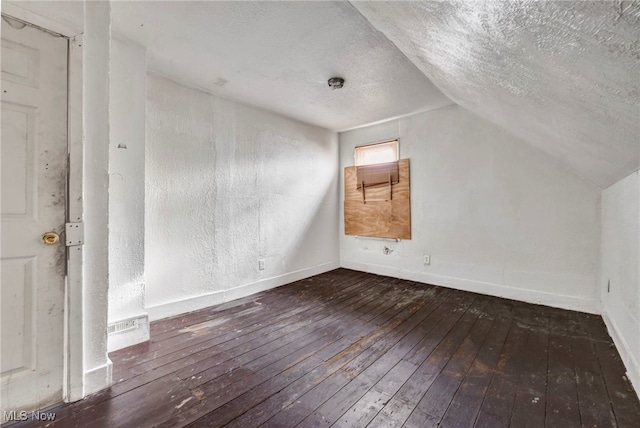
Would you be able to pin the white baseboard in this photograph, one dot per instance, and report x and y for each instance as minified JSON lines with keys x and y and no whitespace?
{"x":525,"y":295}
{"x":203,"y":301}
{"x":629,"y":360}
{"x":97,"y":378}
{"x":127,"y":338}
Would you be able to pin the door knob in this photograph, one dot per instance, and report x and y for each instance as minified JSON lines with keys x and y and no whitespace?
{"x":50,"y":238}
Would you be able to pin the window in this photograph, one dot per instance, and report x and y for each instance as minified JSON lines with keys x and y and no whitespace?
{"x":377,"y":153}
{"x":377,"y":200}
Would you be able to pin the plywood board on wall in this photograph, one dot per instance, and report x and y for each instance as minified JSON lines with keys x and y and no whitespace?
{"x":389,"y":219}
{"x":381,"y":216}
{"x":399,"y":190}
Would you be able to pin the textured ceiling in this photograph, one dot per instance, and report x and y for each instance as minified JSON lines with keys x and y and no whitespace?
{"x":279,"y":55}
{"x":273,"y":55}
{"x":564,"y":76}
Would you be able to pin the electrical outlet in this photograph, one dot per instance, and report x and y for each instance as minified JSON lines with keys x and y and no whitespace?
{"x":261,"y":264}
{"x":427,"y":259}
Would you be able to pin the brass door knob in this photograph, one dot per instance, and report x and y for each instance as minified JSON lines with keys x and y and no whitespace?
{"x":50,"y":238}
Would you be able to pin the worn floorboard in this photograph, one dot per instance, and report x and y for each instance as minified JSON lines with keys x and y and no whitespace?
{"x":350,"y":349}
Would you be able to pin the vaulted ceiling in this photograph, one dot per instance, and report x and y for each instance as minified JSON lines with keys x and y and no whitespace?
{"x":563,"y":76}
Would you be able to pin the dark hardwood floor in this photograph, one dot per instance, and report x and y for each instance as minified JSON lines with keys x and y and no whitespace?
{"x":351,"y":349}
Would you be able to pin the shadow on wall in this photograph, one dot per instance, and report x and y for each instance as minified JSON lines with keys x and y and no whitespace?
{"x":319,"y":238}
{"x":235,"y":186}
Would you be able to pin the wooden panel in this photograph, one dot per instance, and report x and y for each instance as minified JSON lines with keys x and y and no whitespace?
{"x":399,"y":190}
{"x":390,"y":219}
{"x":378,"y":174}
{"x":379,"y":217}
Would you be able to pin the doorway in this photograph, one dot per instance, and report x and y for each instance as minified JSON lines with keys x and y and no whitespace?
{"x":33,"y":213}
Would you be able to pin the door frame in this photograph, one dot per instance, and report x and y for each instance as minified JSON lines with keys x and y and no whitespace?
{"x":73,"y":366}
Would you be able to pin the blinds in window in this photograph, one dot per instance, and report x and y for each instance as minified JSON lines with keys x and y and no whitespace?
{"x":377,"y":153}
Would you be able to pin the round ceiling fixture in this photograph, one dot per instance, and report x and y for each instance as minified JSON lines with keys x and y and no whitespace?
{"x":336,"y":82}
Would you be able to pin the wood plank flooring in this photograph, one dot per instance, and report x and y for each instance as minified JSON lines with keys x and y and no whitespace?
{"x":350,"y":349}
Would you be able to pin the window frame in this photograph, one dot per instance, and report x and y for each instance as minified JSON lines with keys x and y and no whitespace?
{"x":395,"y":141}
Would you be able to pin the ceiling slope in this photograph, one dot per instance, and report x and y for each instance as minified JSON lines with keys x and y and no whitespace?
{"x":564,"y":76}
{"x":279,"y":56}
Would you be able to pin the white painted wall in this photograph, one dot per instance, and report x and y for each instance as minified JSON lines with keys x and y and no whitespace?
{"x":496,"y":215}
{"x":621,"y":268}
{"x":126,"y":191}
{"x":227,"y":185}
{"x":96,"y":59}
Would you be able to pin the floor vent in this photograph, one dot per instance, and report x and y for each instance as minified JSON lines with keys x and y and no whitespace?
{"x":126,"y":325}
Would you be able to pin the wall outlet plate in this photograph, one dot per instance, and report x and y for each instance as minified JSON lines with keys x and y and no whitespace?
{"x":427,"y":259}
{"x":261,"y":264}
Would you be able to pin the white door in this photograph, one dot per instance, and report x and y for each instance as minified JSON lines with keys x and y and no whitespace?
{"x":34,"y":171}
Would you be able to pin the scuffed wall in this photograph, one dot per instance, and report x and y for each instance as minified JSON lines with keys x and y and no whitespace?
{"x":620,"y":282}
{"x":562,"y":75}
{"x":497,"y":216}
{"x":126,"y":190}
{"x":228,"y":185}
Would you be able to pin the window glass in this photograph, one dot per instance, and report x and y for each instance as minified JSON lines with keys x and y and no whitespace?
{"x":377,"y":153}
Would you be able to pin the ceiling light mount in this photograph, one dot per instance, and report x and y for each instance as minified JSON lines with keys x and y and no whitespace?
{"x":336,"y":83}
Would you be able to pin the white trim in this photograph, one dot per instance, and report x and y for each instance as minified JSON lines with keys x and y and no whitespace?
{"x":401,"y":116}
{"x":74,"y":343}
{"x":626,"y":354}
{"x":43,"y":22}
{"x":96,"y":378}
{"x":189,"y":304}
{"x":525,"y":295}
{"x":96,"y":62}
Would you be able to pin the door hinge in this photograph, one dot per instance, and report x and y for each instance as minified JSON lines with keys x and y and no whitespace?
{"x":74,"y":234}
